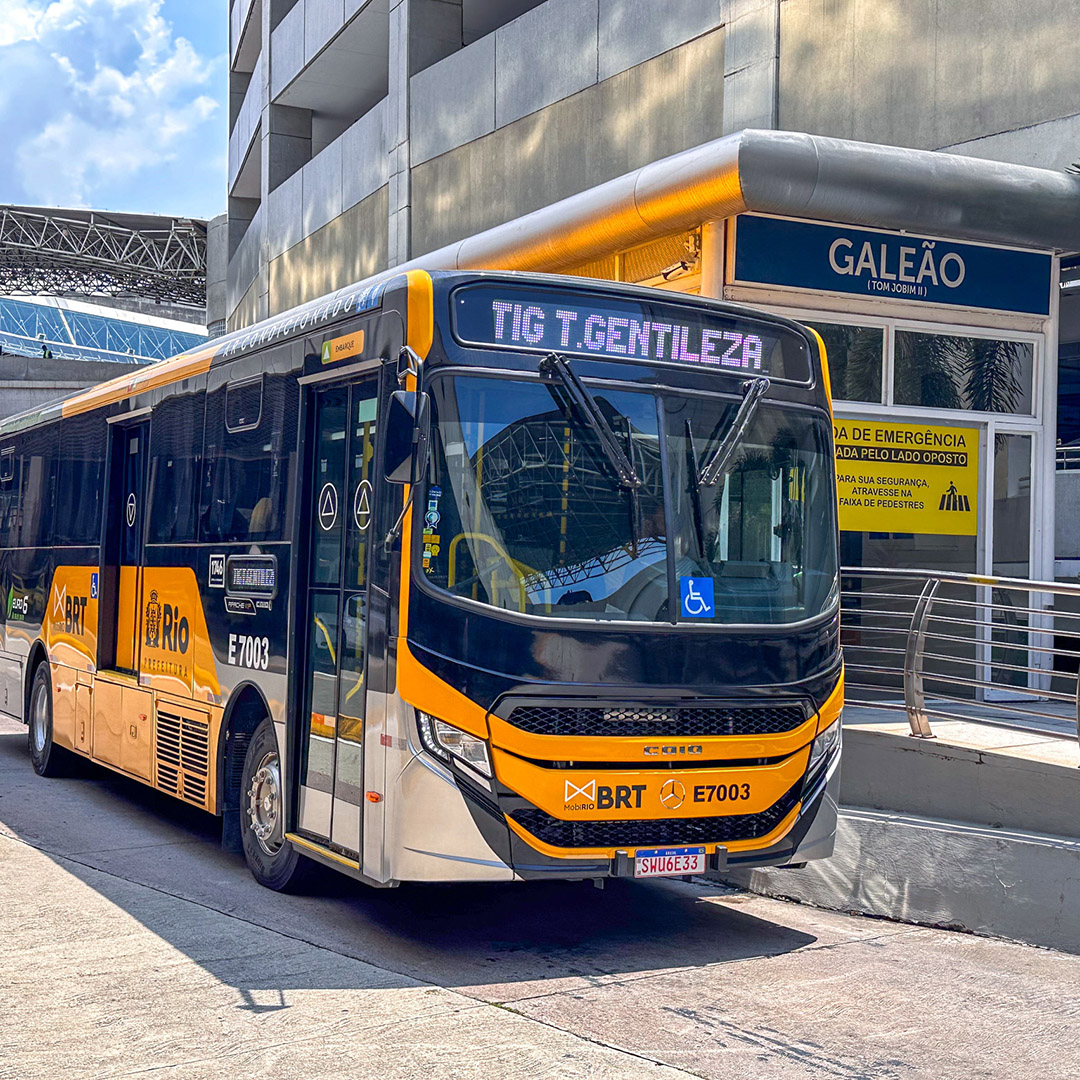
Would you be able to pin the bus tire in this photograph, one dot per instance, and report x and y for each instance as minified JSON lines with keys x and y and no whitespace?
{"x":47,"y":758}
{"x":272,"y":860}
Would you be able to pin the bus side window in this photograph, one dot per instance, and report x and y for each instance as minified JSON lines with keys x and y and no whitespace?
{"x":39,"y":447}
{"x":176,"y":439}
{"x":82,"y":479}
{"x":9,"y":498}
{"x":250,"y":450}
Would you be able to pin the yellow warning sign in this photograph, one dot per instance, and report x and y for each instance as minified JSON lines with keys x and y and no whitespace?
{"x":910,"y":478}
{"x":339,"y":348}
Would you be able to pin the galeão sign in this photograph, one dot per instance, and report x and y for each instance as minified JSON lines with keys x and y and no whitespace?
{"x":909,"y":478}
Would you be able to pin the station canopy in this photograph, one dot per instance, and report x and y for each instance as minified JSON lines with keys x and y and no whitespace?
{"x":55,"y":252}
{"x":77,"y":284}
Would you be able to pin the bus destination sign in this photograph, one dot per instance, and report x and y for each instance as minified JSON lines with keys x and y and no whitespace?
{"x":565,"y":322}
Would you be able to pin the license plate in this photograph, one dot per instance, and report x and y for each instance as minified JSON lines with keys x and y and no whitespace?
{"x":669,"y":862}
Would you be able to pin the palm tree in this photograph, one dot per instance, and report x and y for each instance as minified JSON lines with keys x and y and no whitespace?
{"x":929,"y":370}
{"x":943,"y":371}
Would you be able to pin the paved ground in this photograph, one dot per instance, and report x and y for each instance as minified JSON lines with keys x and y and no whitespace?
{"x":130,"y":945}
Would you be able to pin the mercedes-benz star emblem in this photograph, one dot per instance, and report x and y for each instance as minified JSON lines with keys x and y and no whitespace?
{"x":672,"y":795}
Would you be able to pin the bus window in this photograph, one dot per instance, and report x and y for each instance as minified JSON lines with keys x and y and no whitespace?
{"x":528,"y":514}
{"x":39,"y":450}
{"x":9,"y":498}
{"x":82,"y":479}
{"x":175,"y":458}
{"x":764,"y":532}
{"x":247,"y":470}
{"x":243,"y":404}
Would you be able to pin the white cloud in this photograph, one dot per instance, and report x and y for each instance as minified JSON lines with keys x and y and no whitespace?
{"x":100,"y":101}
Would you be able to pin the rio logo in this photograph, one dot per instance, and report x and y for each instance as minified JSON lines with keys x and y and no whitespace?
{"x":166,"y":628}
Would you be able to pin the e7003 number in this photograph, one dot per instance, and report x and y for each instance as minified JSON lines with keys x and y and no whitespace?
{"x":721,"y":792}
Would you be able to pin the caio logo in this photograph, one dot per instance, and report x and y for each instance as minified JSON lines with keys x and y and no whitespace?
{"x":166,"y":628}
{"x":676,"y":750}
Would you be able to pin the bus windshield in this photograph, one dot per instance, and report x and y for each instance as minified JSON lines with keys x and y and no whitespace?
{"x":526,"y":512}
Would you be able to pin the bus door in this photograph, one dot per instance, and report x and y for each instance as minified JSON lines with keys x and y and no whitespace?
{"x":125,"y":529}
{"x":339,"y":509}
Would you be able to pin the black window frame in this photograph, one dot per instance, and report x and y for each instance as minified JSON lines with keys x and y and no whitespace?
{"x":236,"y":385}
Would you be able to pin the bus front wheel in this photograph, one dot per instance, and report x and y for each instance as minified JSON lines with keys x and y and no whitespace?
{"x":273,"y":861}
{"x":47,"y":758}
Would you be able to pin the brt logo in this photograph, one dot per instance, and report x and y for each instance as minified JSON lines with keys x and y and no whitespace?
{"x":166,"y":628}
{"x":68,"y":612}
{"x":593,"y":796}
{"x":75,"y":614}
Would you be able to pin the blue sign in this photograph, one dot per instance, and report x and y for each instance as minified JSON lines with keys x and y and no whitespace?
{"x":892,"y":266}
{"x":697,"y":597}
{"x":93,"y":586}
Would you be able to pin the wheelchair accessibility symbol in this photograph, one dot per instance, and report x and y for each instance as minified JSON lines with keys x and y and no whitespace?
{"x":697,"y":597}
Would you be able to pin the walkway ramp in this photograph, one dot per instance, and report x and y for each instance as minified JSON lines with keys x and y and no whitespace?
{"x":976,"y":829}
{"x":960,"y":785}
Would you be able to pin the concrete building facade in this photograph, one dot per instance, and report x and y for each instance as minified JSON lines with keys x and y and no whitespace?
{"x":366,"y":134}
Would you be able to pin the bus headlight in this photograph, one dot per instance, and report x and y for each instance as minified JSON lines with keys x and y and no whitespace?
{"x":824,"y":746}
{"x":446,"y":741}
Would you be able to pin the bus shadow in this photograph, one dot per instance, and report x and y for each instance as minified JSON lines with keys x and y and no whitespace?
{"x":160,"y":862}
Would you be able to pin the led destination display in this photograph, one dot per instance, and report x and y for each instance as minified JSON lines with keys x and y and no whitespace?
{"x":575,"y":324}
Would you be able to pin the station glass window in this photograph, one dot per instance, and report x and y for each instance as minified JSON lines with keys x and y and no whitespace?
{"x":1068,"y":426}
{"x":855,"y":358}
{"x":949,"y":371}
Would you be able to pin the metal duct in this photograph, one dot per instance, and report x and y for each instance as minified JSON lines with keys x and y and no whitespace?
{"x":790,"y":173}
{"x":776,"y":172}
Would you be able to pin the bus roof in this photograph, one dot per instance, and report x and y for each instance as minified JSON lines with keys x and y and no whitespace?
{"x":356,"y":299}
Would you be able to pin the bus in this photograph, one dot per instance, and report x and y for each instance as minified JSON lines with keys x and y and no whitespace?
{"x":447,"y":577}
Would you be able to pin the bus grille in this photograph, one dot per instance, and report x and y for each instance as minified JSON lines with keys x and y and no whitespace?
{"x":609,"y":834}
{"x":183,"y":756}
{"x":657,"y":722}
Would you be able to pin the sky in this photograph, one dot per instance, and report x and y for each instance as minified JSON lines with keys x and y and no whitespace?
{"x":114,"y":105}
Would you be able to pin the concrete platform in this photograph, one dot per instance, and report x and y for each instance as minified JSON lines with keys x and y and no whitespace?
{"x":1020,"y":886}
{"x":976,"y":829}
{"x":984,"y":775}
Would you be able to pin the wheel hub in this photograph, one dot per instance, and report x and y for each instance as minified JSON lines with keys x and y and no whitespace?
{"x":264,"y":804}
{"x":39,"y":721}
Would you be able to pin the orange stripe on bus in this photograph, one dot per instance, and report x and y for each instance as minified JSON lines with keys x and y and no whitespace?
{"x":420,"y":331}
{"x":163,"y":373}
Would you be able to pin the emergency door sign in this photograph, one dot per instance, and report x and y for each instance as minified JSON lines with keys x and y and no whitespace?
{"x":907,"y":478}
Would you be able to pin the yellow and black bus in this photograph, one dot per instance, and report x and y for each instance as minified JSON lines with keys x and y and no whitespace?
{"x":447,"y":577}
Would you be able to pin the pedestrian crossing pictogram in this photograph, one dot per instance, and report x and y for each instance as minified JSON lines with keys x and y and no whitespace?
{"x":953,"y":500}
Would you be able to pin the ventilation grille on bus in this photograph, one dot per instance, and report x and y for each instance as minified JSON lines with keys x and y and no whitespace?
{"x":657,"y":722}
{"x":183,"y":756}
{"x":609,"y":834}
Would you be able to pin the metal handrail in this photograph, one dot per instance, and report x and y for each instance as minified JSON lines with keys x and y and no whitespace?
{"x":1015,"y":661}
{"x":1067,"y":457}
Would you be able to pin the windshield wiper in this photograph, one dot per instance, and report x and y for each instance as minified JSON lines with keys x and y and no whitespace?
{"x":695,"y":490}
{"x":555,"y":366}
{"x":753,"y":390}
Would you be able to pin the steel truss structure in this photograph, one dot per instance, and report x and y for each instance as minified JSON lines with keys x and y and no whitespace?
{"x":87,"y":252}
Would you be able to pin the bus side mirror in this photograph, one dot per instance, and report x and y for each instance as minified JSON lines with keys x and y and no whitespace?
{"x":405,"y":444}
